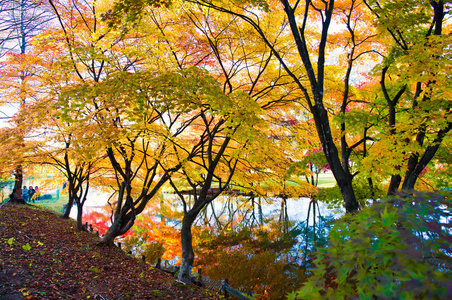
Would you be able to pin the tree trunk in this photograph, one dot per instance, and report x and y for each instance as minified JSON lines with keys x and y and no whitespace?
{"x":343,"y":177}
{"x":128,"y":208}
{"x":346,"y":187}
{"x":67,"y":212}
{"x":394,"y":184}
{"x":72,"y":189}
{"x":16,"y":195}
{"x":340,"y":169}
{"x":188,"y":256}
{"x":413,"y":173}
{"x":410,"y":181}
{"x":109,"y":237}
{"x":119,"y":227}
{"x":79,"y":216}
{"x":392,"y":103}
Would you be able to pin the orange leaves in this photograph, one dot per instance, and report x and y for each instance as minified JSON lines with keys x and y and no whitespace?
{"x":154,"y":239}
{"x":16,"y":75}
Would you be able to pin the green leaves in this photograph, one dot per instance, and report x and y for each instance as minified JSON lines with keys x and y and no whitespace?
{"x":405,"y":18}
{"x":399,"y":248}
{"x":26,"y":247}
{"x":12,"y":241}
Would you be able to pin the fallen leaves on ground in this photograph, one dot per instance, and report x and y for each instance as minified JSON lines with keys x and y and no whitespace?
{"x":42,"y":256}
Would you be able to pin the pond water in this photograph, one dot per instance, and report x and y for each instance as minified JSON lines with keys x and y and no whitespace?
{"x":296,"y":208}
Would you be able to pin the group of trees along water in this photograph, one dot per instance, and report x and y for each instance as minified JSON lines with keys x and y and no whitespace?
{"x":205,"y":97}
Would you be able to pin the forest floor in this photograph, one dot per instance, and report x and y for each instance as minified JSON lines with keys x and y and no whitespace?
{"x":42,"y":256}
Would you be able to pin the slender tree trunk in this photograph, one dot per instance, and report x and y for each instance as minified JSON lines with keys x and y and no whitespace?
{"x":124,"y":217}
{"x":80,"y":200}
{"x":254,"y":211}
{"x":18,"y":174}
{"x":79,"y":216}
{"x":188,"y":256}
{"x":70,"y":188}
{"x":313,"y":221}
{"x":395,"y":179}
{"x":231,"y":212}
{"x":71,"y":200}
{"x":283,"y":218}
{"x":119,"y":217}
{"x":162,"y":215}
{"x":392,"y":103}
{"x":369,"y":179}
{"x":346,"y":187}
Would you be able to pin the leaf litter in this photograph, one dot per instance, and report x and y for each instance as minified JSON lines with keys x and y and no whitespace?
{"x":42,"y":256}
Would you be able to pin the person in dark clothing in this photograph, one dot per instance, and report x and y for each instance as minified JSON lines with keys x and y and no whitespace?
{"x":31,"y":192}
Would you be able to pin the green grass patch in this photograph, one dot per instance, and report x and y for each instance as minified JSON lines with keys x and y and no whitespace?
{"x":55,"y":203}
{"x":326,"y":180}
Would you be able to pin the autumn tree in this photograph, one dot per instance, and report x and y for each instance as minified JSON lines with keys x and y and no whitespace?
{"x":21,"y":21}
{"x":137,"y":109}
{"x":139,"y":119}
{"x":230,"y":125}
{"x":97,"y":59}
{"x":208,"y":175}
{"x":298,"y":19}
{"x":314,"y":60}
{"x":414,"y":82}
{"x":78,"y":166}
{"x":56,"y":142}
{"x":231,"y":68}
{"x":17,"y":83}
